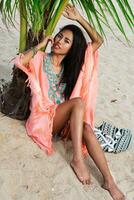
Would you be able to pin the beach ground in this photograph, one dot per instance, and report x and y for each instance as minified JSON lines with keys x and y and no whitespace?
{"x":26,"y":173}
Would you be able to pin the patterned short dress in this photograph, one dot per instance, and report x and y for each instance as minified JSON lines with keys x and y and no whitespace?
{"x":56,"y":90}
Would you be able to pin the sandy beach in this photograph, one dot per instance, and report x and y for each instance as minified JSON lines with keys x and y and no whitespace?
{"x":26,"y":173}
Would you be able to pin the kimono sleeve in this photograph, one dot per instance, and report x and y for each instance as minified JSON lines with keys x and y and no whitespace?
{"x":33,"y":65}
{"x":90,"y":84}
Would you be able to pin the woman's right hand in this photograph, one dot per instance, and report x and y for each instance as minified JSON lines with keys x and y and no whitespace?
{"x":45,"y":41}
{"x":71,"y":12}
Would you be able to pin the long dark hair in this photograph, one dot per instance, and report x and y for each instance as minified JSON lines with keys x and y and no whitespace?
{"x":74,"y":59}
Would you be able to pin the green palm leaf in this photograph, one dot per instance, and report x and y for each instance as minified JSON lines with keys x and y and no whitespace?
{"x":44,"y":14}
{"x":99,"y":17}
{"x":55,"y":16}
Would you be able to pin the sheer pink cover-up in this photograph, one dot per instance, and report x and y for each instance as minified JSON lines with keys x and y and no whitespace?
{"x":39,"y":125}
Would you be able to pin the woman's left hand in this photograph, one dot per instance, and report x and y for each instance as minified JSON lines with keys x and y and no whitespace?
{"x":71,"y":12}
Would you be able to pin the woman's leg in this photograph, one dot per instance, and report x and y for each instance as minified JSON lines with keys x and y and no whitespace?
{"x":97,"y":154}
{"x":73,"y":110}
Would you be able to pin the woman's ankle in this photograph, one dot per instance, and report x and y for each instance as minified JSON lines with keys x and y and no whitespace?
{"x":78,"y":158}
{"x":109,"y":182}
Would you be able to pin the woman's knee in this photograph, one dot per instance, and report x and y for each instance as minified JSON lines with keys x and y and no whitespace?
{"x":79,"y":104}
{"x":87,"y":130}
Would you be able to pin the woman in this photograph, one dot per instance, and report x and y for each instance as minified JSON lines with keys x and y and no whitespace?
{"x":61,"y":91}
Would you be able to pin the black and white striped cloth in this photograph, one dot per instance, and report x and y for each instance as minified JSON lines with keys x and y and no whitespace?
{"x":113,"y":139}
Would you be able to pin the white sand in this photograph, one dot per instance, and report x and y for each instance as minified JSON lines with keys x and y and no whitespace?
{"x":27,"y":173}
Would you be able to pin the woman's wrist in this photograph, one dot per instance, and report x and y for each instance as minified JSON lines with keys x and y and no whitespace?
{"x":43,"y":43}
{"x":80,"y":19}
{"x":34,"y":51}
{"x":36,"y":48}
{"x":39,"y":46}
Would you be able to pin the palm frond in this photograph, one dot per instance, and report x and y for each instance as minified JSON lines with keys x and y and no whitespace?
{"x":98,"y":12}
{"x":57,"y":8}
{"x":8,"y":10}
{"x":44,"y":14}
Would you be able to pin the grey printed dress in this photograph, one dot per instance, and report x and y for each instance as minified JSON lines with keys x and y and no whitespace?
{"x":56,"y":90}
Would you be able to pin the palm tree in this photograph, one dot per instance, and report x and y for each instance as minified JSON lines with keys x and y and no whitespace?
{"x":39,"y":17}
{"x":43,"y":15}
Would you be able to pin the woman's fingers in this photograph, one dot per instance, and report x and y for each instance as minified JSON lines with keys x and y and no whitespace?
{"x":69,"y":5}
{"x":68,"y":13}
{"x":50,"y":39}
{"x":71,"y":9}
{"x":65,"y":14}
{"x":71,"y":12}
{"x":47,"y":39}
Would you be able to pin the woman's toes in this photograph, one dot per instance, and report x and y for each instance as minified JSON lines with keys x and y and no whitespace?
{"x":84,"y":182}
{"x":114,"y":191}
{"x":81,"y":171}
{"x":89,"y":182}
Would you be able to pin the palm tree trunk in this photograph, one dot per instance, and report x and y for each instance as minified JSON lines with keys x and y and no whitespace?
{"x":23,"y":26}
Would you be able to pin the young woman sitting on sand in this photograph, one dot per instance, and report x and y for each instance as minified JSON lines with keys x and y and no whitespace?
{"x":63,"y":87}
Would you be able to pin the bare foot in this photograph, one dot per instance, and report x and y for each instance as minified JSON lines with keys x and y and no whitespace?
{"x":81,"y":171}
{"x":114,"y":191}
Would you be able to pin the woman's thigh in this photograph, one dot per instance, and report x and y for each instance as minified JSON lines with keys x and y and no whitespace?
{"x":87,"y":132}
{"x":63,"y":113}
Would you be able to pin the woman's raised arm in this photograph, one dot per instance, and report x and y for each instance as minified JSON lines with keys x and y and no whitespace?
{"x":31,"y":52}
{"x":72,"y":13}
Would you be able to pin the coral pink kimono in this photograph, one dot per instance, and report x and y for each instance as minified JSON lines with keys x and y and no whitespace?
{"x":39,"y":125}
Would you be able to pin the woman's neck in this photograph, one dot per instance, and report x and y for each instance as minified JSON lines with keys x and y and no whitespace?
{"x":57,"y":59}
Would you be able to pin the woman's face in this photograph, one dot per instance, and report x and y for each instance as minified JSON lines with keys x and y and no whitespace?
{"x":62,"y":42}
